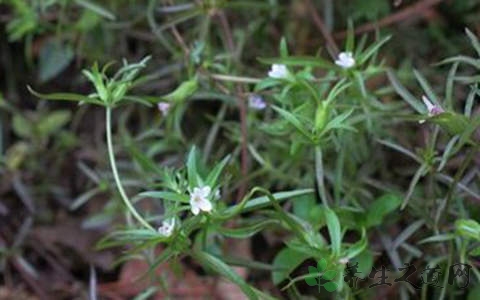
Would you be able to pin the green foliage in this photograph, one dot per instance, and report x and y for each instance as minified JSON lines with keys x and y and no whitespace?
{"x":469,"y":229}
{"x":287,"y":260}
{"x":333,"y":167}
{"x":379,"y":209}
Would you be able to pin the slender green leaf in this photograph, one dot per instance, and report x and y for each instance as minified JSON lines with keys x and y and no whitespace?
{"x":421,"y":171}
{"x":370,"y":51}
{"x":451,"y":122}
{"x":380,"y":208}
{"x":462,"y":59}
{"x":404,"y":93}
{"x":193,"y":176}
{"x":215,"y":264}
{"x":356,"y":248}
{"x":333,"y":226}
{"x":170,"y":196}
{"x":288,"y":260}
{"x":468,"y":228}
{"x":350,"y":41}
{"x":427,"y":88}
{"x":303,"y":61}
{"x":473,"y":40}
{"x":437,"y":238}
{"x":215,"y":173}
{"x":96,"y":8}
{"x":263,"y":201}
{"x":294,"y":121}
{"x":247,"y":231}
{"x":283,"y":48}
{"x":407,"y":233}
{"x":65,"y":97}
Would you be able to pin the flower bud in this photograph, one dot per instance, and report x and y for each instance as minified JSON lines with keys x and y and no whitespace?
{"x":321,"y":116}
{"x":185,"y":90}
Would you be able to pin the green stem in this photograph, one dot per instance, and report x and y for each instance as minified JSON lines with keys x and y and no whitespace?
{"x":113,"y":165}
{"x":447,"y":269}
{"x":235,"y":78}
{"x":465,"y":164}
{"x":205,"y":235}
{"x":319,"y":173}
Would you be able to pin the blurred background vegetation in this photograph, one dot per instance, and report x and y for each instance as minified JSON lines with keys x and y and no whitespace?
{"x":55,"y":184}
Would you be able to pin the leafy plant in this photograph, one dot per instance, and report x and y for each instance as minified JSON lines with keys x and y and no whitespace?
{"x":356,"y":155}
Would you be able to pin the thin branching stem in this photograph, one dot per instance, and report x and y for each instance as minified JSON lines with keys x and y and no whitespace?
{"x":118,"y":182}
{"x":320,"y":176}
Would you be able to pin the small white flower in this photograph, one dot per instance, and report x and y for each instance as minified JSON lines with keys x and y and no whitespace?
{"x":432,"y":109}
{"x":278,"y":71}
{"x":199,"y":200}
{"x":217,"y":195}
{"x":256,"y":102}
{"x":167,"y":227}
{"x":345,"y":60}
{"x":164,"y":107}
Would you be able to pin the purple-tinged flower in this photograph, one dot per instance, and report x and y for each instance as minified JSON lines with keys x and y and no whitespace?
{"x":256,"y":102}
{"x":432,"y":109}
{"x":164,"y":107}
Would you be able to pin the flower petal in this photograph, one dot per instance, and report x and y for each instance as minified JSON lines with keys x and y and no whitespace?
{"x":345,"y":60}
{"x":205,"y":205}
{"x":256,"y":102}
{"x":195,"y":209}
{"x":164,"y":107}
{"x":165,"y":229}
{"x":343,"y":56}
{"x":427,"y":103}
{"x":278,"y":71}
{"x":204,"y":192}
